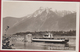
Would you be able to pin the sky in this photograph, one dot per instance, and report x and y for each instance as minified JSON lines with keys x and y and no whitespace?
{"x":21,"y":9}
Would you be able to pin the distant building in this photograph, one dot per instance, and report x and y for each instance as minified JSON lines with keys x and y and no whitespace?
{"x":21,"y":37}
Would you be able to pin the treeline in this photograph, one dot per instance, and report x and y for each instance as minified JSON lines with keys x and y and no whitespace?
{"x":58,"y":33}
{"x":55,"y":33}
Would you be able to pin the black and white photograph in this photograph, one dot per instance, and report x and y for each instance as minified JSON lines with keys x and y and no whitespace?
{"x":40,"y":25}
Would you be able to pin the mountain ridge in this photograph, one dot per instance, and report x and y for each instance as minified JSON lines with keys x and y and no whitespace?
{"x":44,"y":21}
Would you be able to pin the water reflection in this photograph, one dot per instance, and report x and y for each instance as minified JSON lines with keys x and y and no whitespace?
{"x":45,"y":46}
{"x":49,"y":46}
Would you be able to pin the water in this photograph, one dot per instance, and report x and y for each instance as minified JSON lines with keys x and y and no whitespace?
{"x":71,"y":45}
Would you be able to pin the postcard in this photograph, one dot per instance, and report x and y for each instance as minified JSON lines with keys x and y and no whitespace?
{"x":40,"y":25}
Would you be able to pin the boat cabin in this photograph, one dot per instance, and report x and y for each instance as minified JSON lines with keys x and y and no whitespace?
{"x":48,"y":35}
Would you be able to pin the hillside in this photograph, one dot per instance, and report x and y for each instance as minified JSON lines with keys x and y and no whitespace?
{"x":41,"y":20}
{"x":9,"y":21}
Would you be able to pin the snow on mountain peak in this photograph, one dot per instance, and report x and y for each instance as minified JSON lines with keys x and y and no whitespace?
{"x":47,"y":9}
{"x":40,"y":10}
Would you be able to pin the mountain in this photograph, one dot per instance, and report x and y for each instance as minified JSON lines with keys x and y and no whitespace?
{"x":9,"y":21}
{"x":68,"y":22}
{"x":63,"y":13}
{"x":43,"y":19}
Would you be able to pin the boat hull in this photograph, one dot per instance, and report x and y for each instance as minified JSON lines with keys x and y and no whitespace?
{"x":50,"y":40}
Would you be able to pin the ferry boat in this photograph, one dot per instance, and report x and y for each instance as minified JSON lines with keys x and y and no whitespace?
{"x":49,"y":39}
